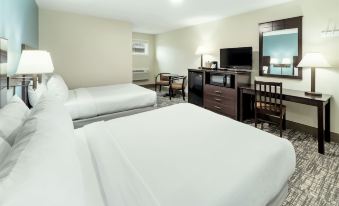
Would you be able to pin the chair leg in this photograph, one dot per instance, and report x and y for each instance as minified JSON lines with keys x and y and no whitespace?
{"x":183,"y":94}
{"x":255,"y":120}
{"x":262,"y":125}
{"x":281,"y":125}
{"x":159,"y":88}
{"x":284,"y":122}
{"x":170,"y":92}
{"x":155,"y":87}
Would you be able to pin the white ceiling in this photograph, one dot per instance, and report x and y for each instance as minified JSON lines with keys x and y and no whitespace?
{"x":158,"y":16}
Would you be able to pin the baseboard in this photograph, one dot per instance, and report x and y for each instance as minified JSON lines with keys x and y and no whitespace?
{"x":311,"y":130}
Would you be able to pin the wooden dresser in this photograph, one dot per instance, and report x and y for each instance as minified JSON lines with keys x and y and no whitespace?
{"x":222,"y":99}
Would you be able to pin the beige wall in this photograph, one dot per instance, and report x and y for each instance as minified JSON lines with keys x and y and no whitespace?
{"x":141,"y":62}
{"x":87,"y":51}
{"x":176,"y":49}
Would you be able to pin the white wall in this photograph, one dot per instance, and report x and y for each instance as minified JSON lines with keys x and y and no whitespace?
{"x":87,"y":51}
{"x":176,"y":49}
{"x":140,"y":61}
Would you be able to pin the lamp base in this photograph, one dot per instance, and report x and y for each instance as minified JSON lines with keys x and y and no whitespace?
{"x":313,"y":94}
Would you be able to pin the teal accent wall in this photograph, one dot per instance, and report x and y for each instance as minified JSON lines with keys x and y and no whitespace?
{"x":281,"y":46}
{"x":19,"y":23}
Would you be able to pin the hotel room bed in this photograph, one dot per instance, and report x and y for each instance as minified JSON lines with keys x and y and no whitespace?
{"x":203,"y":159}
{"x":87,"y":105}
{"x":91,"y":104}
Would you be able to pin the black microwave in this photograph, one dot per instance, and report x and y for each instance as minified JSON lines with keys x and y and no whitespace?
{"x":223,"y":80}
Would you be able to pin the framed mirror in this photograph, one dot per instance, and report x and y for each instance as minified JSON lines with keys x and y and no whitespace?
{"x":3,"y":71}
{"x":281,"y":48}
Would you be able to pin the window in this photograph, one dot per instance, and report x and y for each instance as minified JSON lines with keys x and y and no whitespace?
{"x":140,"y":47}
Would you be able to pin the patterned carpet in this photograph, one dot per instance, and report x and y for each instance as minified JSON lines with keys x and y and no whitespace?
{"x":316,"y":179}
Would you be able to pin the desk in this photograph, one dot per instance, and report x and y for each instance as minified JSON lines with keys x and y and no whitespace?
{"x":323,"y":105}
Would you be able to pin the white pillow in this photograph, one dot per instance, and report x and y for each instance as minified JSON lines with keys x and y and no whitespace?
{"x":34,"y":95}
{"x":57,"y":87}
{"x":12,"y":116}
{"x":4,"y":149}
{"x":43,"y":168}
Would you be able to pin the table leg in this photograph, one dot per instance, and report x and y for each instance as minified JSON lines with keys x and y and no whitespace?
{"x":321,"y":142}
{"x":328,"y":122}
{"x":241,"y":106}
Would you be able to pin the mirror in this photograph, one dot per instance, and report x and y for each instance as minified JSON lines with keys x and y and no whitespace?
{"x":3,"y":71}
{"x":280,"y":48}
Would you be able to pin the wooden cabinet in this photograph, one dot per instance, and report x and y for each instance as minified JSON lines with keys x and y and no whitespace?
{"x":223,"y":100}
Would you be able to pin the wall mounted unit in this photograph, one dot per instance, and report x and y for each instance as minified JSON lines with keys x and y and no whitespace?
{"x":140,"y":75}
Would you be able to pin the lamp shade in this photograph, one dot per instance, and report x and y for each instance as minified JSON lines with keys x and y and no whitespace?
{"x":201,"y":50}
{"x":35,"y":62}
{"x":315,"y":60}
{"x":274,"y":61}
{"x":286,"y":61}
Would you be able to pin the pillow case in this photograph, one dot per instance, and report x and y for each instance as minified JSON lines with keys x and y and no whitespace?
{"x":42,"y":167}
{"x":4,"y":149}
{"x":34,"y":95}
{"x":12,"y":116}
{"x":57,"y":87}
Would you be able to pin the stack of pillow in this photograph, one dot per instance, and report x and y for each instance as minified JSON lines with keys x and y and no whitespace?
{"x":39,"y":164}
{"x":55,"y":85}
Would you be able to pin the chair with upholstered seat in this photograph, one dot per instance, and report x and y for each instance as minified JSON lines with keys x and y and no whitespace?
{"x":163,"y":81}
{"x":268,"y":102}
{"x":177,"y":84}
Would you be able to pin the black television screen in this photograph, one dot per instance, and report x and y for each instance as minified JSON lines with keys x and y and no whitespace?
{"x":236,"y":58}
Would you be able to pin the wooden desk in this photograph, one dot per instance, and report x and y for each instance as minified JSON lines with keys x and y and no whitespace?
{"x":323,"y":105}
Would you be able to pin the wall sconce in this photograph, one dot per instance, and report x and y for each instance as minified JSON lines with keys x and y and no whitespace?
{"x":32,"y":63}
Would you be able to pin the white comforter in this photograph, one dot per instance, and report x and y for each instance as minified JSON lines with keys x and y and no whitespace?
{"x":192,"y":157}
{"x":94,"y":101}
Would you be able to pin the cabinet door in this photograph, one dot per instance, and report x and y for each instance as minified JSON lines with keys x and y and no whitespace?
{"x":195,"y":88}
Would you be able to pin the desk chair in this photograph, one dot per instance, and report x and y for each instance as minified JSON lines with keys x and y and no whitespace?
{"x":163,"y":81}
{"x":268,"y":101}
{"x":177,"y":83}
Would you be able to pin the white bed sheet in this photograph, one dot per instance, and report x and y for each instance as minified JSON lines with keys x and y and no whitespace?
{"x":95,"y":101}
{"x":194,"y":157}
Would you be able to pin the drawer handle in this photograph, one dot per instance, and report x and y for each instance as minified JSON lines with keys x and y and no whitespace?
{"x":218,"y":100}
{"x":218,"y":92}
{"x":217,"y":107}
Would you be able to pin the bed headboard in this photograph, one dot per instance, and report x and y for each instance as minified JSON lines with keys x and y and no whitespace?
{"x":3,"y":71}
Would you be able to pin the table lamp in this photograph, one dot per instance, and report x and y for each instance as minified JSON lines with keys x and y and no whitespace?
{"x":313,"y":60}
{"x":201,"y":51}
{"x":34,"y":62}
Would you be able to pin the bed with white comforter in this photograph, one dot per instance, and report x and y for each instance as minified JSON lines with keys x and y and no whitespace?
{"x":90,"y":102}
{"x":201,"y":159}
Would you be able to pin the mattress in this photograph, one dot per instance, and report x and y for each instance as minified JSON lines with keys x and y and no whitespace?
{"x":192,"y":157}
{"x":96,"y":101}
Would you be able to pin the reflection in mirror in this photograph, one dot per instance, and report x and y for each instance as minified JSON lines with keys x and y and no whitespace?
{"x":280,"y":52}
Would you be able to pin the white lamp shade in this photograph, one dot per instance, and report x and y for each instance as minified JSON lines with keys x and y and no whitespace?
{"x":201,"y":50}
{"x":286,"y":61}
{"x":315,"y":60}
{"x":35,"y":62}
{"x":274,"y":61}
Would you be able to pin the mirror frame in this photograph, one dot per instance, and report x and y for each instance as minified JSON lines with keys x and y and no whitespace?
{"x":290,"y":23}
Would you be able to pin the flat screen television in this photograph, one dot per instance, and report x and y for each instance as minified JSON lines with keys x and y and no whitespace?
{"x":236,"y":58}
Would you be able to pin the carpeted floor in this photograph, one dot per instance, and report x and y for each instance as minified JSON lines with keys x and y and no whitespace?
{"x":316,"y":179}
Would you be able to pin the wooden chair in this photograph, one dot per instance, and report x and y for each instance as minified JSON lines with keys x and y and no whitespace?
{"x":268,"y":101}
{"x":177,"y":83}
{"x":163,"y":81}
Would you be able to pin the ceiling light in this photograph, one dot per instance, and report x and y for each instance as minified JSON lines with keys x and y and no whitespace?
{"x":176,"y":2}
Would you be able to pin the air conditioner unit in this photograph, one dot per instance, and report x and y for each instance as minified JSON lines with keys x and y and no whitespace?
{"x":140,"y":74}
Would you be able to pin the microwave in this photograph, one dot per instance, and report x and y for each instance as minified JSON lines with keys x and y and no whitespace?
{"x":223,"y":80}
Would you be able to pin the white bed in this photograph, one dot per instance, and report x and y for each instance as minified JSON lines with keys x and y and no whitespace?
{"x":204,"y":159}
{"x":192,"y":157}
{"x":90,"y":102}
